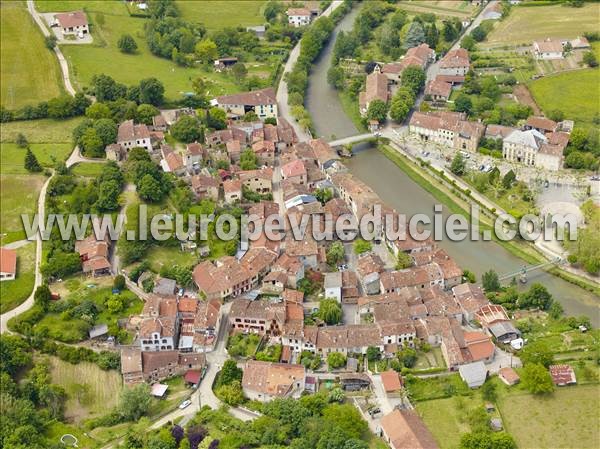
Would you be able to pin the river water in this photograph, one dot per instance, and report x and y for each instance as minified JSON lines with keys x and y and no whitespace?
{"x":399,"y":191}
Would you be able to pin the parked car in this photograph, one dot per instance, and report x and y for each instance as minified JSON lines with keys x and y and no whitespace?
{"x":185,"y":404}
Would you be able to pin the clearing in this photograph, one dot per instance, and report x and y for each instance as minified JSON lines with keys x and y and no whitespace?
{"x":568,"y":418}
{"x":91,"y":391}
{"x":88,"y":169}
{"x":526,"y":24}
{"x":12,"y":158}
{"x":575,"y":93}
{"x":15,"y":292}
{"x":29,"y":71}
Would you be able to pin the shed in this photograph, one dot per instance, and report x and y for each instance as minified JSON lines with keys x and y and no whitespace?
{"x":310,"y":384}
{"x":391,"y":381}
{"x":496,"y":424}
{"x":193,"y":377}
{"x":98,"y":331}
{"x":354,"y":381}
{"x":562,"y":375}
{"x":509,"y":376}
{"x":474,"y":374}
{"x":159,"y":390}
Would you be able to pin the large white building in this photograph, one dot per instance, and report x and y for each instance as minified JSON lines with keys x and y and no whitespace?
{"x":298,"y":17}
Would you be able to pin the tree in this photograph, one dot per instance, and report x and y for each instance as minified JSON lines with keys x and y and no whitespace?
{"x":536,"y":297}
{"x":589,"y":58}
{"x":464,"y":104}
{"x":389,"y":39}
{"x":377,"y":110}
{"x":407,"y":356}
{"x":106,"y":130}
{"x":336,"y":395}
{"x":488,"y":391}
{"x":468,"y":43}
{"x":336,"y":360}
{"x":127,"y":44}
{"x":248,"y":160}
{"x":119,"y":282}
{"x":145,"y":113}
{"x":91,"y":143}
{"x":150,"y":189}
{"x":458,"y":165}
{"x":97,"y":111}
{"x":21,"y":141}
{"x":414,"y":78}
{"x":272,"y":10}
{"x":216,"y":118}
{"x":206,"y":51}
{"x":478,"y":33}
{"x":335,"y":254}
{"x":50,"y":41}
{"x":415,"y":35}
{"x":135,"y":402}
{"x":151,"y":91}
{"x":330,"y":311}
{"x":31,"y":162}
{"x":14,"y":354}
{"x":509,"y":179}
{"x":229,"y":373}
{"x":107,"y":89}
{"x":537,"y":379}
{"x":347,"y":418}
{"x":323,"y":195}
{"x":232,"y":394}
{"x":186,"y":129}
{"x":403,"y":260}
{"x":362,"y":246}
{"x":403,"y":101}
{"x":239,"y":72}
{"x":108,"y":196}
{"x":490,"y":281}
{"x":373,"y":353}
{"x":537,"y":352}
{"x":336,"y":77}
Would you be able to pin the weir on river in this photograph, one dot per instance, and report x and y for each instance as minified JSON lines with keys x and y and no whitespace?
{"x":399,"y":191}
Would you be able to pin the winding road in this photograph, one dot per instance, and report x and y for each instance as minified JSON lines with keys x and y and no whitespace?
{"x":64,"y":66}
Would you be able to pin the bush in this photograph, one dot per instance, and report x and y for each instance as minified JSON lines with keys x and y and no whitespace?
{"x":336,"y":360}
{"x":127,"y":44}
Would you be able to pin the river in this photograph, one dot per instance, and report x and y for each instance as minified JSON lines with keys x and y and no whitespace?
{"x":399,"y":191}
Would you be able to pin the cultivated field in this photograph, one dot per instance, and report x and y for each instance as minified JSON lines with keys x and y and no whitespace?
{"x":13,"y":293}
{"x":29,"y":71}
{"x":526,"y":24}
{"x":443,"y":8}
{"x":576,"y":93}
{"x":219,"y":14}
{"x":91,"y":391}
{"x":568,"y":418}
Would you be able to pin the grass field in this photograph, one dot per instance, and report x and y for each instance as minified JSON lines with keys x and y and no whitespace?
{"x":220,"y":14}
{"x":41,"y":131}
{"x":13,"y":293}
{"x":29,"y":71}
{"x":12,"y":158}
{"x":103,"y":56}
{"x":456,"y":8}
{"x":57,"y":429}
{"x":18,"y":195}
{"x":158,"y":256}
{"x":445,"y":419}
{"x":91,"y":391}
{"x":88,"y":169}
{"x":575,"y":93}
{"x":568,"y":418}
{"x":526,"y":24}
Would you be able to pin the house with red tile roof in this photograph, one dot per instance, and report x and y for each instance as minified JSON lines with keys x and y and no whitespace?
{"x":376,"y":88}
{"x":403,"y":429}
{"x":262,"y":102}
{"x":8,"y":264}
{"x":71,"y":23}
{"x":295,"y":172}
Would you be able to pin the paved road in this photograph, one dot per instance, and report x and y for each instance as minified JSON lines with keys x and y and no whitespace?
{"x":282,"y":90}
{"x":76,"y":158}
{"x":64,"y":66}
{"x":38,"y":260}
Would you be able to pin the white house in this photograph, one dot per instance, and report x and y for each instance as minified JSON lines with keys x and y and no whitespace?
{"x":159,"y":334}
{"x":548,"y":49}
{"x":298,"y":17}
{"x":333,"y":285}
{"x":72,"y":22}
{"x":133,"y":136}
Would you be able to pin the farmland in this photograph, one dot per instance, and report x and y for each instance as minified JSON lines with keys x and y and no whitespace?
{"x":12,"y":157}
{"x":572,"y":92}
{"x":15,"y":292}
{"x":221,"y":14}
{"x":41,"y":131}
{"x":526,"y":24}
{"x":29,"y":71}
{"x":18,"y":195}
{"x":90,"y":390}
{"x":565,"y":419}
{"x":443,"y":8}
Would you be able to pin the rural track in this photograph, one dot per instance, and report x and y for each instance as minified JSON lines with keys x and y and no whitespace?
{"x":64,"y":66}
